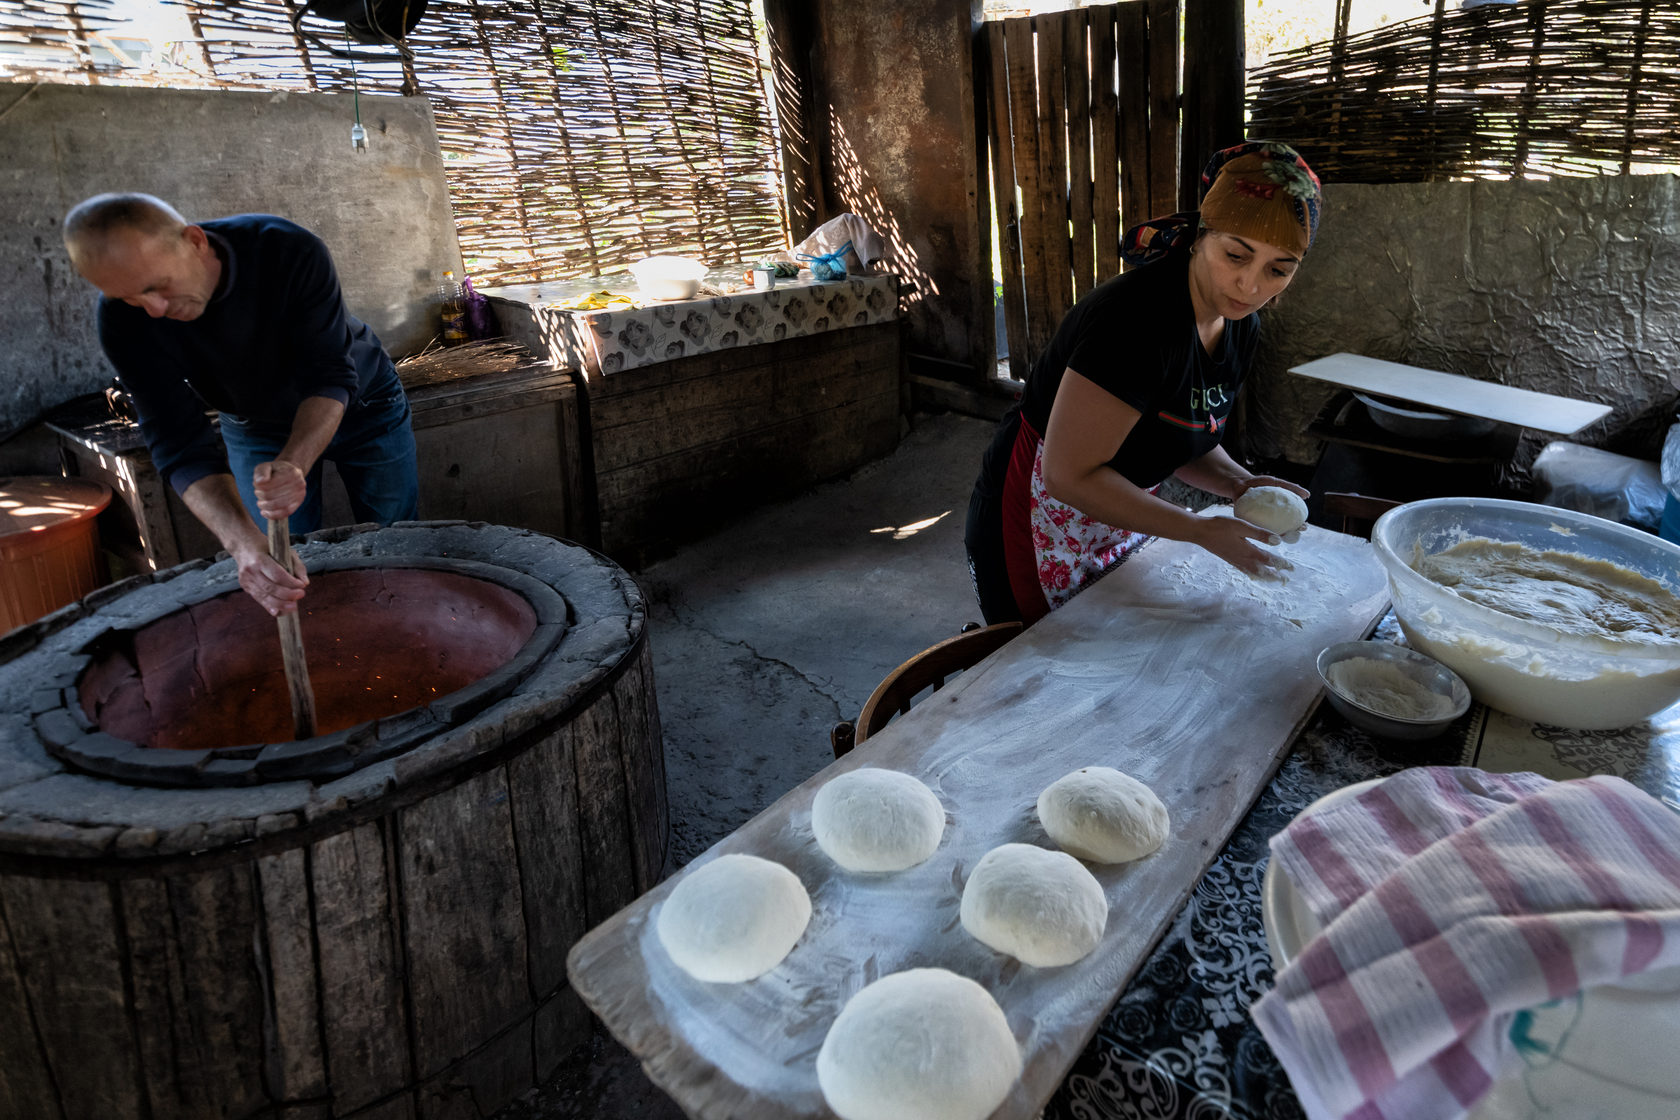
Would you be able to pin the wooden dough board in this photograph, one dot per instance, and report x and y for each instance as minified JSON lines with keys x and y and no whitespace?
{"x":1452,"y":393}
{"x":1176,"y":669}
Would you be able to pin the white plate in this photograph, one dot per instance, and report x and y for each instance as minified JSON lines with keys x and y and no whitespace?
{"x":1610,"y":1054}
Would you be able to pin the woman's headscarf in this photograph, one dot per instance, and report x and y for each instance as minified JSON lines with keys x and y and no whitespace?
{"x":1261,"y":189}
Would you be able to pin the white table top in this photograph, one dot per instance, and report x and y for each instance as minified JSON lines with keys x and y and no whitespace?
{"x":1451,"y":392}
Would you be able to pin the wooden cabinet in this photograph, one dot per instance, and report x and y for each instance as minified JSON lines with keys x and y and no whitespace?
{"x":694,"y":418}
{"x":506,"y":448}
{"x":683,"y":446}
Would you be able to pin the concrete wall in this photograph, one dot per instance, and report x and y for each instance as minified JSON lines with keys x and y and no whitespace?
{"x":900,"y":149}
{"x":1565,"y":286}
{"x":384,"y":212}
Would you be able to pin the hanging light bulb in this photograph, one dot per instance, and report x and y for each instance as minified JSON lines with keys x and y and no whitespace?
{"x":358,"y":134}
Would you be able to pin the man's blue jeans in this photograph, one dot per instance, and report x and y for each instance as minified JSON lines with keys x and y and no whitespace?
{"x":373,"y":451}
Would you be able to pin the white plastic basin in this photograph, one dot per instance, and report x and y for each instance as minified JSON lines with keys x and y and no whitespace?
{"x":1531,"y":670}
{"x":668,"y":277}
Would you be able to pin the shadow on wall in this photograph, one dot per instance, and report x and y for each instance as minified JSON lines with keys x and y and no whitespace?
{"x":856,"y":193}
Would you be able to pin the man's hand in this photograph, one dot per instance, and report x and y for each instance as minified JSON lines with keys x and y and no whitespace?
{"x":1232,"y":540}
{"x":281,"y":487}
{"x":275,"y":589}
{"x":214,"y":500}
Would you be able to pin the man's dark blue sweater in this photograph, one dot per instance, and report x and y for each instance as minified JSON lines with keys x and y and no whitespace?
{"x":274,"y":332}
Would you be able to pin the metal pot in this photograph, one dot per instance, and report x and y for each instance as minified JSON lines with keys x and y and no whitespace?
{"x":1420,"y":424}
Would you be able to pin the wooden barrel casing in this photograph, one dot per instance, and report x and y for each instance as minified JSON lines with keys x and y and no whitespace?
{"x":390,"y":943}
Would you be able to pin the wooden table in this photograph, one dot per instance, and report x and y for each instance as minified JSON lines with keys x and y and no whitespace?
{"x":1177,"y":670}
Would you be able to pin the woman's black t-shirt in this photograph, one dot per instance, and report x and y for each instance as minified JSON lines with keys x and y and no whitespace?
{"x":1135,"y":336}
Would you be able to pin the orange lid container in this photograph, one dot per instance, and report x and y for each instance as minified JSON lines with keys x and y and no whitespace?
{"x":49,"y":544}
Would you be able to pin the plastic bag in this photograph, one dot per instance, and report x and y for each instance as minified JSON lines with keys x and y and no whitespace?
{"x":830,"y":266}
{"x":1602,"y":483}
{"x":1671,"y":461}
{"x":862,"y":245}
{"x":1669,"y":528}
{"x":480,"y":316}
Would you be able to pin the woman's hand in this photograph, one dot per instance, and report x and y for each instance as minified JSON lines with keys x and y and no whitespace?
{"x":1232,"y":540}
{"x":1254,"y":480}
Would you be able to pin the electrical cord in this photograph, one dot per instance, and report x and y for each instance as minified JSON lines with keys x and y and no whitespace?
{"x":372,"y":24}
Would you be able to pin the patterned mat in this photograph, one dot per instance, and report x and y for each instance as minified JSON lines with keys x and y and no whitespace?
{"x":1179,"y":1042}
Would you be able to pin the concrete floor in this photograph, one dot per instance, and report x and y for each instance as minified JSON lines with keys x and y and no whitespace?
{"x":766,"y":634}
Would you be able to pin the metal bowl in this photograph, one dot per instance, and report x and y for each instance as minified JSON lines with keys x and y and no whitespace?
{"x":1420,"y":424}
{"x":1433,"y":675}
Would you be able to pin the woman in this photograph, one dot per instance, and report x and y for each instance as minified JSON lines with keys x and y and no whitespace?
{"x":1136,"y":386}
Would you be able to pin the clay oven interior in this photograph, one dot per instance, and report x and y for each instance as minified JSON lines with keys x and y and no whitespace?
{"x":378,"y":641}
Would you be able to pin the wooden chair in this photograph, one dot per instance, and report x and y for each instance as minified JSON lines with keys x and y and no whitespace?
{"x":1358,"y":512}
{"x":930,"y":668}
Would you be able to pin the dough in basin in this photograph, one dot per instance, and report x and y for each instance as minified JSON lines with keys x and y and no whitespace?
{"x":733,"y":919}
{"x":877,"y":820}
{"x":924,"y":1044}
{"x":1272,"y":507}
{"x":1041,"y":907}
{"x":1098,"y":813}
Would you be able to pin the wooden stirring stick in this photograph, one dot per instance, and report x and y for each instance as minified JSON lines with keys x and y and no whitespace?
{"x":291,"y":640}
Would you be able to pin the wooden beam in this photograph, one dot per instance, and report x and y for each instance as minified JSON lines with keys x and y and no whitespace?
{"x":1105,"y":158}
{"x":1076,"y":70}
{"x":1023,"y":125}
{"x":1132,"y":113}
{"x":791,"y":27}
{"x":1213,"y":87}
{"x":1052,"y":178}
{"x":1163,"y":107}
{"x":1003,"y":194}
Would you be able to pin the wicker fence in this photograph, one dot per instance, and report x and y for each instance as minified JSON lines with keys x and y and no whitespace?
{"x":45,"y":40}
{"x":1547,"y":87}
{"x":577,"y":136}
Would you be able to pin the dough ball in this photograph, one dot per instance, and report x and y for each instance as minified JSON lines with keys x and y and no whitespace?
{"x":1041,"y":907}
{"x":925,"y":1043}
{"x":733,"y":919}
{"x":1273,"y":508}
{"x":877,"y":820}
{"x":1098,"y":813}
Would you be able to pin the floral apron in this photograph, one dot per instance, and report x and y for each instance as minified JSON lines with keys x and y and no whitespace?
{"x":1069,"y":550}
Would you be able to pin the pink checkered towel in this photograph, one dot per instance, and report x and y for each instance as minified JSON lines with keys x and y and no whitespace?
{"x":1451,"y":899}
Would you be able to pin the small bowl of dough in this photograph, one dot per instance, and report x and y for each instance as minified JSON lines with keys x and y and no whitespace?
{"x":1550,"y":615}
{"x":1391,"y":691}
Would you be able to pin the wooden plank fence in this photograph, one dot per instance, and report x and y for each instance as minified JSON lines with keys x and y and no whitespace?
{"x":1083,"y":112}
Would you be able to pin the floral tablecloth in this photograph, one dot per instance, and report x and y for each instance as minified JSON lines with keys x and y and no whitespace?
{"x":1179,"y":1043}
{"x":618,"y":338}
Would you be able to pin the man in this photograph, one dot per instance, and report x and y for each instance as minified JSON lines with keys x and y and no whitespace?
{"x":245,"y":315}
